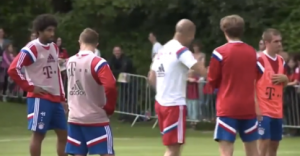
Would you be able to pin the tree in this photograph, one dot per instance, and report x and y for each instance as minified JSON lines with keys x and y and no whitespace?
{"x":128,"y":22}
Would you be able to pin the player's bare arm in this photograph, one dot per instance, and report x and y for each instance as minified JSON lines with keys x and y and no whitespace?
{"x":199,"y":68}
{"x":152,"y":78}
{"x":39,"y":90}
{"x":257,"y":109}
{"x":185,"y":32}
{"x":295,"y":82}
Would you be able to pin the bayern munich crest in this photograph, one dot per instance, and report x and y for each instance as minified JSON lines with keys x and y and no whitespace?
{"x":41,"y":125}
{"x":261,"y":131}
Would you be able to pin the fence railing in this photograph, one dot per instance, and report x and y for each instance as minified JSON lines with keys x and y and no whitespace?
{"x":136,"y":100}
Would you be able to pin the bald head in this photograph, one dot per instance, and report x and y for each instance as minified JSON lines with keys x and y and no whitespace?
{"x":185,"y":26}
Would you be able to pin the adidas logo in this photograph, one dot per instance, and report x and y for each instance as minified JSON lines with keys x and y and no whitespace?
{"x":161,"y":71}
{"x":50,"y":59}
{"x":77,"y":89}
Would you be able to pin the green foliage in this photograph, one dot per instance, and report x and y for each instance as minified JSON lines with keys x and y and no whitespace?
{"x":128,"y":22}
{"x":290,"y":27}
{"x":16,"y":18}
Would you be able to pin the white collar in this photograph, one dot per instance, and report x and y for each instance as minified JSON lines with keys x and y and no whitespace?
{"x":85,"y":52}
{"x":235,"y":41}
{"x":272,"y":58}
{"x":38,"y":41}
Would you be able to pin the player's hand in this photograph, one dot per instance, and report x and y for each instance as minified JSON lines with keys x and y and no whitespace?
{"x":39,"y":90}
{"x":259,"y":117}
{"x":66,"y":107}
{"x":258,"y":114}
{"x":279,"y":78}
{"x":191,"y":80}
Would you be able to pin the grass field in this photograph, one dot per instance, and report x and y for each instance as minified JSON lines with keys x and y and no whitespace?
{"x":140,"y":140}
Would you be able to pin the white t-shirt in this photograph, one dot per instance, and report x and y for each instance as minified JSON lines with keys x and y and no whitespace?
{"x":171,"y":65}
{"x":155,"y":48}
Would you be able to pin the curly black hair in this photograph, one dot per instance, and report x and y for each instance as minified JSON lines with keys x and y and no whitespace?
{"x":43,"y":21}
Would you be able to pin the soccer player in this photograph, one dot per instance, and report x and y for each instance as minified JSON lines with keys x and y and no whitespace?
{"x":233,"y":71}
{"x":269,"y":90}
{"x":92,"y":98}
{"x":168,"y":75}
{"x":45,"y":97}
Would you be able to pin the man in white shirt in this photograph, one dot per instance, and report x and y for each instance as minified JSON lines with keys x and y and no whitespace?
{"x":168,"y":74}
{"x":156,"y":45}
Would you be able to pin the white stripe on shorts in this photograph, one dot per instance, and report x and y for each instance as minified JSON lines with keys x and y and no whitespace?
{"x":109,"y":140}
{"x":180,"y":125}
{"x":35,"y":114}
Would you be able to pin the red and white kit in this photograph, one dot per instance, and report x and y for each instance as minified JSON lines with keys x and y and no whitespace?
{"x":43,"y":57}
{"x":171,"y":65}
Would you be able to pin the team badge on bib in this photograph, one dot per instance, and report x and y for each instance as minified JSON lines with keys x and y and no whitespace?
{"x":261,"y":131}
{"x":41,"y":125}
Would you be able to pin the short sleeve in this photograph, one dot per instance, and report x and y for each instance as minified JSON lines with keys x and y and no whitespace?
{"x":186,"y":57}
{"x":153,"y":66}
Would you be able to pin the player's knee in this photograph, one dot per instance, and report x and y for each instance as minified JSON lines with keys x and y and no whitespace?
{"x":251,"y":148}
{"x":38,"y":137}
{"x":62,"y":140}
{"x":264,"y":142}
{"x":61,"y":136}
{"x":274,"y":145}
{"x":107,"y":154}
{"x":226,"y":148}
{"x":173,"y":149}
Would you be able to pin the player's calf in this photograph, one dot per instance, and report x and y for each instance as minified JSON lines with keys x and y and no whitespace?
{"x":263,"y":146}
{"x":225,"y":148}
{"x":270,"y":130}
{"x":107,"y":154}
{"x":273,"y":147}
{"x":251,"y":148}
{"x":61,"y":142}
{"x":173,"y":150}
{"x":36,"y":143}
{"x":173,"y":140}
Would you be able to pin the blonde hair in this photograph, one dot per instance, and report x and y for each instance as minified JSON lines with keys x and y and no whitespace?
{"x":89,"y":36}
{"x":269,"y":33}
{"x":232,"y":26}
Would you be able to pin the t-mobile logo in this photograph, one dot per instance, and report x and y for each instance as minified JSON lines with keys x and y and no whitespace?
{"x":270,"y":92}
{"x":47,"y":70}
{"x":72,"y":68}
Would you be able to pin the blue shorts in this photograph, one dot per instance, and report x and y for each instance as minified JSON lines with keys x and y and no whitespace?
{"x":227,"y":128}
{"x":44,"y":115}
{"x":270,"y":128}
{"x":83,"y":140}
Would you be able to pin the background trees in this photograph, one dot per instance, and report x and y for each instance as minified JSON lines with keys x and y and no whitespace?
{"x":128,"y":22}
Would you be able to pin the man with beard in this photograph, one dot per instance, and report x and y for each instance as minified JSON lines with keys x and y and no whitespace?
{"x":43,"y":84}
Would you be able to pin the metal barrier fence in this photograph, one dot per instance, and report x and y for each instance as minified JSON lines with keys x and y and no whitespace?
{"x":136,"y":101}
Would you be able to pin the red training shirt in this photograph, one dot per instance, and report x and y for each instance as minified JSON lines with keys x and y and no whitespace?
{"x":103,"y":76}
{"x":233,"y":71}
{"x":273,"y":62}
{"x":63,"y":54}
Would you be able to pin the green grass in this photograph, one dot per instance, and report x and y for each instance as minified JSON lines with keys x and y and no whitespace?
{"x":140,"y":140}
